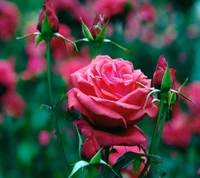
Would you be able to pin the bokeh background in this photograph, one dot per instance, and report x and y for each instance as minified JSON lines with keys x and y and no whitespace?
{"x":28,"y":146}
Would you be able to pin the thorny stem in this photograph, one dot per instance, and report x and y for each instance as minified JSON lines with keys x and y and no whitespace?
{"x":155,"y":139}
{"x":51,"y":100}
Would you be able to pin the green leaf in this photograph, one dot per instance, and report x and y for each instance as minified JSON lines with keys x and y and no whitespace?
{"x":77,"y":166}
{"x":110,"y":168}
{"x":38,"y":39}
{"x":136,"y":164}
{"x":92,"y":172}
{"x":166,"y":81}
{"x":123,"y":161}
{"x":86,"y":32}
{"x":96,"y":158}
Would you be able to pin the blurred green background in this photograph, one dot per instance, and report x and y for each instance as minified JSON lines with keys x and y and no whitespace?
{"x":28,"y":147}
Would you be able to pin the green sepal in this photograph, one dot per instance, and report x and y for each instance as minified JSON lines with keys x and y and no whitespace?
{"x":45,"y":106}
{"x":39,"y":39}
{"x":46,"y":28}
{"x":96,"y":158}
{"x":102,"y":34}
{"x":166,"y":81}
{"x":86,"y":32}
{"x":65,"y":39}
{"x":26,"y":36}
{"x":172,"y":98}
{"x":119,"y":46}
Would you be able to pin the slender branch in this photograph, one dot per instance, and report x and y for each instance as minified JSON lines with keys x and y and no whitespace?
{"x":51,"y":100}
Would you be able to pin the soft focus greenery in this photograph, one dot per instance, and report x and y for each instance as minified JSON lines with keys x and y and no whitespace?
{"x":22,"y":155}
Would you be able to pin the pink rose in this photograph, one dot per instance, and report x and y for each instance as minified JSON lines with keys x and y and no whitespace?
{"x":8,"y":76}
{"x":96,"y":138}
{"x":69,"y":66}
{"x":177,"y":132}
{"x":44,"y":137}
{"x":13,"y":104}
{"x":192,"y":91}
{"x":110,"y":8}
{"x":10,"y":101}
{"x":147,"y":12}
{"x":107,"y":95}
{"x":9,"y":20}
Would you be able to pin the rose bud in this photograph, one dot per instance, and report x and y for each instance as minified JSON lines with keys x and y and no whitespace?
{"x":97,"y":25}
{"x":48,"y":21}
{"x":159,"y":74}
{"x":89,"y":148}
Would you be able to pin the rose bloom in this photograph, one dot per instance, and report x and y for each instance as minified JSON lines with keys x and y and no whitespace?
{"x":69,"y":66}
{"x":35,"y":66}
{"x":192,"y":91}
{"x":30,"y":48}
{"x":13,"y":104}
{"x":106,"y":93}
{"x":9,"y":20}
{"x":110,"y":8}
{"x":147,"y":12}
{"x":177,"y":132}
{"x":129,"y":171}
{"x":10,"y":102}
{"x":110,"y":101}
{"x":44,"y":137}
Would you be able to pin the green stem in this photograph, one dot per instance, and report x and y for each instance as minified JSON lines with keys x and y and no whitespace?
{"x":161,"y":129}
{"x":95,"y":49}
{"x":152,"y":145}
{"x":51,"y":100}
{"x":161,"y":107}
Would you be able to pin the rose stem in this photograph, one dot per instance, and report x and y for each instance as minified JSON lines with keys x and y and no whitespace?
{"x":51,"y":100}
{"x":152,"y":146}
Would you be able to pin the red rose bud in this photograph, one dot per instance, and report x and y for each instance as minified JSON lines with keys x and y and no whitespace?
{"x":160,"y":71}
{"x":48,"y":15}
{"x":89,"y":148}
{"x":97,"y":25}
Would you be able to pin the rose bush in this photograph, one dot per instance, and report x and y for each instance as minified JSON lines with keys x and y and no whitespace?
{"x":107,"y":95}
